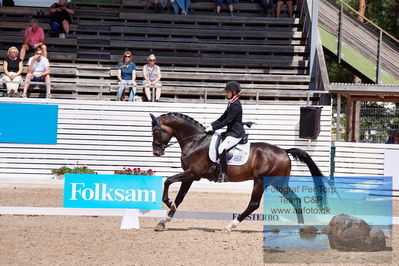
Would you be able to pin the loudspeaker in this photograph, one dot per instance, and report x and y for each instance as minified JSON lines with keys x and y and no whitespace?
{"x":309,"y":123}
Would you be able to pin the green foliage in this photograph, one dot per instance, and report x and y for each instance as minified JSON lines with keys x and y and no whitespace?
{"x":336,"y":72}
{"x":377,"y":121}
{"x":76,"y":170}
{"x":383,"y":13}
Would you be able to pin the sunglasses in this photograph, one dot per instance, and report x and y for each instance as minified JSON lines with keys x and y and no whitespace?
{"x":39,"y":53}
{"x":151,"y":60}
{"x":128,"y":56}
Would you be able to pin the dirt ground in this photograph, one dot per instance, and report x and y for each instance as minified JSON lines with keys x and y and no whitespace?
{"x":64,"y":240}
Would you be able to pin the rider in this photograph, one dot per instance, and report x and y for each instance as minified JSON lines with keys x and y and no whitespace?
{"x":232,"y":118}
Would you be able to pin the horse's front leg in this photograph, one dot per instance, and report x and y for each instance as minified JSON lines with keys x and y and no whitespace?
{"x":187,"y":179}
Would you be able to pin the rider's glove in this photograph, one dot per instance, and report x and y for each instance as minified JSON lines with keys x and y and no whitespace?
{"x":209,"y":129}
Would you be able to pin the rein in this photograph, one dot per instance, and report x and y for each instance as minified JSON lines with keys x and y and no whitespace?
{"x":170,"y":144}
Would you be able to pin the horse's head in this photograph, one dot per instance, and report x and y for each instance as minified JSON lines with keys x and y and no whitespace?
{"x":160,"y":137}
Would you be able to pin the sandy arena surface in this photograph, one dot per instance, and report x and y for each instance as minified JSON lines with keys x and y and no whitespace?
{"x":63,"y":240}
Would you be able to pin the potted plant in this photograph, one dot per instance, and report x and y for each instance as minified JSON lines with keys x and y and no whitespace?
{"x":59,"y":172}
{"x":134,"y":171}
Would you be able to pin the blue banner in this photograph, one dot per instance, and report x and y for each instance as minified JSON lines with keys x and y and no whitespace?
{"x":28,"y":123}
{"x":113,"y":191}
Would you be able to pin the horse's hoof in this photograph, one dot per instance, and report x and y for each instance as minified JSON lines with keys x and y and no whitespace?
{"x":232,"y":224}
{"x":160,"y":226}
{"x":226,"y":230}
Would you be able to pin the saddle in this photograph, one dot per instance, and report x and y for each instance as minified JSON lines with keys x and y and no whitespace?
{"x":237,"y":155}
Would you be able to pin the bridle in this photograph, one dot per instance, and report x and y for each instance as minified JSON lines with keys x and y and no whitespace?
{"x":156,"y":126}
{"x":160,"y":145}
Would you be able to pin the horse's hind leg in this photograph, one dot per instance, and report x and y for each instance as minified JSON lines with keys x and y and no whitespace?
{"x":184,"y":187}
{"x":257,"y":193}
{"x":294,"y":200}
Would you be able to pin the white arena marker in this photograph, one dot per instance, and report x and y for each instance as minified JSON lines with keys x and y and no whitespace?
{"x":130,"y":219}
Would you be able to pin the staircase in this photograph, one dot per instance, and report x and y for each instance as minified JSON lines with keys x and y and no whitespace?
{"x":365,"y":47}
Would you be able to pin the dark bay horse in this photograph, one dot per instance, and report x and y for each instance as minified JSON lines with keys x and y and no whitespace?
{"x":265,"y":160}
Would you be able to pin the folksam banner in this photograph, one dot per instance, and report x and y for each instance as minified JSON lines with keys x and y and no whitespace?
{"x":113,"y":191}
{"x":28,"y":123}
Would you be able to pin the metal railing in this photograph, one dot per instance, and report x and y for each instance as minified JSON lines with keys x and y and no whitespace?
{"x":378,"y":31}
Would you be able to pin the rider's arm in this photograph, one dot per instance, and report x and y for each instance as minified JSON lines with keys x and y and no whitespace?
{"x":228,"y":117}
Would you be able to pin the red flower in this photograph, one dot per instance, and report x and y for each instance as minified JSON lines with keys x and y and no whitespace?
{"x":84,"y":166}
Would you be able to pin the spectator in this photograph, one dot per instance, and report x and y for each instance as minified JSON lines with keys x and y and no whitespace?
{"x":126,"y":76}
{"x":38,"y":71}
{"x":160,"y":5}
{"x":152,"y":77}
{"x":181,"y":6}
{"x":219,"y":4}
{"x":394,"y":138}
{"x":12,"y":66}
{"x":267,"y":6}
{"x":33,"y":38}
{"x":61,"y":15}
{"x":289,"y":4}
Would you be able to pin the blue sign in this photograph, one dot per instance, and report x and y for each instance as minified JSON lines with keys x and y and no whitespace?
{"x":113,"y":191}
{"x":28,"y":123}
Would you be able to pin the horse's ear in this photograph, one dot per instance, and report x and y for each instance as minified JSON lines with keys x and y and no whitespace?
{"x":155,"y":121}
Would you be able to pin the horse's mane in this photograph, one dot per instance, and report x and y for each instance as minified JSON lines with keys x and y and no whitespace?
{"x":186,"y":117}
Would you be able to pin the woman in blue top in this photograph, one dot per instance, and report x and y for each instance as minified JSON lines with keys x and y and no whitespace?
{"x":180,"y":5}
{"x":126,"y":76}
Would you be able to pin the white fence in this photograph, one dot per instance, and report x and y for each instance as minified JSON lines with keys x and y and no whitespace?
{"x":368,"y":159}
{"x":108,"y":136}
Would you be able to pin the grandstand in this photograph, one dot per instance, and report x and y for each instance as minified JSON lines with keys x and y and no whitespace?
{"x":197,"y":53}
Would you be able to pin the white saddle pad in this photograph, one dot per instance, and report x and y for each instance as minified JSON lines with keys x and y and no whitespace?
{"x":240,"y":152}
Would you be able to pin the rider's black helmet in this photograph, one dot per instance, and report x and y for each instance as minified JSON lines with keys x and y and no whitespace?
{"x":233,"y":86}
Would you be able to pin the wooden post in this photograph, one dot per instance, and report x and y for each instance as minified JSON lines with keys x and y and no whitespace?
{"x":348,"y":114}
{"x":356,"y":119}
{"x":338,"y":126}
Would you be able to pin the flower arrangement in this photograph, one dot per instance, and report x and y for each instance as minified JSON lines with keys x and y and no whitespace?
{"x":76,"y":170}
{"x":134,"y":171}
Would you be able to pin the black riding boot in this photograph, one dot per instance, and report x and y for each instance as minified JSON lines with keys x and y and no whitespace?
{"x":223,"y":167}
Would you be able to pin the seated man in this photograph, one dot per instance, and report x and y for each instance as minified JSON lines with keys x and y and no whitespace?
{"x":267,"y":6}
{"x":33,"y":38}
{"x":289,"y":4}
{"x":38,"y":71}
{"x":61,"y":16}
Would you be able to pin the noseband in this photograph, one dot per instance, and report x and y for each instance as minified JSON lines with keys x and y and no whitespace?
{"x":159,"y":145}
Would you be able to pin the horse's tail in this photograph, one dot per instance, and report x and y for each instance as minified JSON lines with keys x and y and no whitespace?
{"x":317,"y":175}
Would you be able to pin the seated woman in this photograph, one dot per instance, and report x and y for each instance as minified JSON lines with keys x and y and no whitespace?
{"x":289,"y":4}
{"x":180,"y":6}
{"x":219,"y":4}
{"x":61,"y":16}
{"x":394,"y":138}
{"x":152,"y":77}
{"x":126,"y":76}
{"x":12,"y":66}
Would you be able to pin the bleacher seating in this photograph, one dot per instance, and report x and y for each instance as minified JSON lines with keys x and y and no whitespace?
{"x":197,"y":53}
